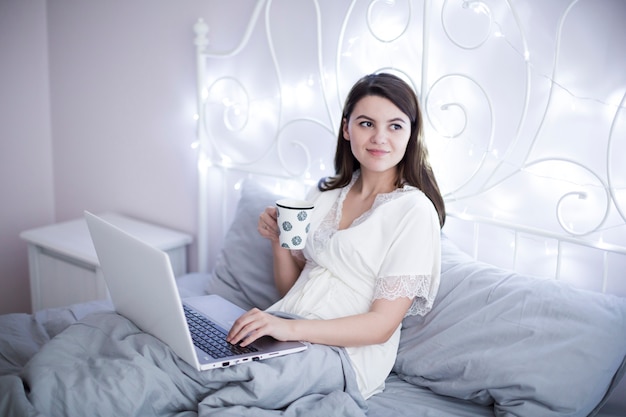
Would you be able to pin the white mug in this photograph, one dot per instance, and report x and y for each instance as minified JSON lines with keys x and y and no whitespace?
{"x":294,"y":221}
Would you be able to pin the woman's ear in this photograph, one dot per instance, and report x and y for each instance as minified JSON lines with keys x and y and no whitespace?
{"x":344,"y":128}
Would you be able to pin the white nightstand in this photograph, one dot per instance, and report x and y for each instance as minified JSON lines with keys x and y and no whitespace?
{"x":64,"y":267}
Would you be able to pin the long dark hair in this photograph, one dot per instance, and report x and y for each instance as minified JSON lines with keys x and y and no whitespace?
{"x":414,"y":168}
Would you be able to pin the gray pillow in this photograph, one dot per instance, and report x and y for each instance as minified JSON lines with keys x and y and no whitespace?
{"x":530,"y":346}
{"x":243,"y":272}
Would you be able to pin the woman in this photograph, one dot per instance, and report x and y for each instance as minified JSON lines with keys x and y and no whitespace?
{"x":373,"y":253}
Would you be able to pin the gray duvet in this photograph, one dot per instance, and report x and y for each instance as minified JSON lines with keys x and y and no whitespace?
{"x":105,"y":366}
{"x":66,"y":362}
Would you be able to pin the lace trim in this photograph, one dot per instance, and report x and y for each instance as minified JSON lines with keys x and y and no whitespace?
{"x":416,"y":287}
{"x":329,"y":226}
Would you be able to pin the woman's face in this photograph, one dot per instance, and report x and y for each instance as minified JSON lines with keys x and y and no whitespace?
{"x":378,"y":132}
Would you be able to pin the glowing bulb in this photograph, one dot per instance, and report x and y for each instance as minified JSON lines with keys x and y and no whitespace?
{"x":477,"y":7}
{"x":226,"y":161}
{"x":204,"y":164}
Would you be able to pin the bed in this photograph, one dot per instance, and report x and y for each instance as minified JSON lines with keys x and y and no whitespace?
{"x":496,"y":343}
{"x":501,"y":340}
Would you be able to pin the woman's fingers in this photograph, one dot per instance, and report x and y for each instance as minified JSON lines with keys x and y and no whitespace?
{"x":245,"y":330}
{"x":267,"y":226}
{"x":253,"y":325}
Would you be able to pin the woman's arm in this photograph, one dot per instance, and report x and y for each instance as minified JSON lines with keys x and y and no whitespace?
{"x":287,"y":267}
{"x":374,"y":327}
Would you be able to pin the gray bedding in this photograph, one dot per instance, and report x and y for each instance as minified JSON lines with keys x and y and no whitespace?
{"x":103,"y":365}
{"x":87,"y":360}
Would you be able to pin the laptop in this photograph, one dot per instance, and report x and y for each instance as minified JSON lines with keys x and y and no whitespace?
{"x":143,"y":289}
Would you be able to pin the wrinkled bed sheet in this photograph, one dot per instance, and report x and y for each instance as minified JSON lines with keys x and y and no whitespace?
{"x":23,"y":335}
{"x":104,"y":365}
{"x":170,"y":387}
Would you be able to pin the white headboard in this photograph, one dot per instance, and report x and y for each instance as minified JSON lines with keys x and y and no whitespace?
{"x":524,"y":110}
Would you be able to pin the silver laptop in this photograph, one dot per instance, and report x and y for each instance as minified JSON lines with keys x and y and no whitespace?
{"x":143,"y":289}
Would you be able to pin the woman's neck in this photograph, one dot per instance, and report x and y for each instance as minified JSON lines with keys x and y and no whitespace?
{"x":362,"y":195}
{"x":370,"y":184}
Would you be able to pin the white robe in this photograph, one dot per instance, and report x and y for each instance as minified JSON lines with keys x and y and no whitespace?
{"x":391,"y":251}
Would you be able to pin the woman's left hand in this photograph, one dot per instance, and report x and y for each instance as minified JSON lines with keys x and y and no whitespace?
{"x":256,"y":323}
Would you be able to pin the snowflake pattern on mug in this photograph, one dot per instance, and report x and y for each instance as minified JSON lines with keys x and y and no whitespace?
{"x":287,"y":226}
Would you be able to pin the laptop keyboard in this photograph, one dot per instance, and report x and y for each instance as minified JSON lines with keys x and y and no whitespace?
{"x":207,"y":336}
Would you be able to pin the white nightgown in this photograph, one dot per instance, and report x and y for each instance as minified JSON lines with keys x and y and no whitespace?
{"x":391,"y":251}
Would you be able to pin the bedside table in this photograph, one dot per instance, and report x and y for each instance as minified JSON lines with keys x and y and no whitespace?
{"x":63,"y":264}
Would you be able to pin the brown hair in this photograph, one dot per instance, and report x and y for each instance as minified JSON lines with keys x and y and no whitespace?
{"x":414,"y":168}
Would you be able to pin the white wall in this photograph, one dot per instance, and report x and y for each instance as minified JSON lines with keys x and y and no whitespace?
{"x":96,"y":112}
{"x":26,"y":174}
{"x":122,"y":97}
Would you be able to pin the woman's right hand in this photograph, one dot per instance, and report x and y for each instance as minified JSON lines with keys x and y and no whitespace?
{"x":268,"y":226}
{"x":287,"y":267}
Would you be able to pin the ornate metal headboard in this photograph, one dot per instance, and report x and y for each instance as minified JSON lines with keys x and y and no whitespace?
{"x":523,"y":102}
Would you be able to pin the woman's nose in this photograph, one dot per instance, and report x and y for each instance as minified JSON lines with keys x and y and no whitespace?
{"x":379,"y":137}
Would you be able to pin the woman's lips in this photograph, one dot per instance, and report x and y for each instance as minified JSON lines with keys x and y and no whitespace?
{"x":377,"y":152}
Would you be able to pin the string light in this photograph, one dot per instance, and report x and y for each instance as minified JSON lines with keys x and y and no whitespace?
{"x":303,"y":93}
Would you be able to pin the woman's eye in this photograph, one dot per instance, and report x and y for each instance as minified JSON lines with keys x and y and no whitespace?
{"x":396,"y":127}
{"x":366,"y":123}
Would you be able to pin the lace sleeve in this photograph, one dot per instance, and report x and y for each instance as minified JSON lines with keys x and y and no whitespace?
{"x":416,"y":287}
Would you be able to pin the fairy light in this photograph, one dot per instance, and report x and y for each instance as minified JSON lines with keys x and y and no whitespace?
{"x":204,"y":163}
{"x":477,"y":7}
{"x":226,"y":161}
{"x":305,"y":93}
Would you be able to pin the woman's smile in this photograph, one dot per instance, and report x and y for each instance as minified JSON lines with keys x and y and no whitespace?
{"x":378,"y":152}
